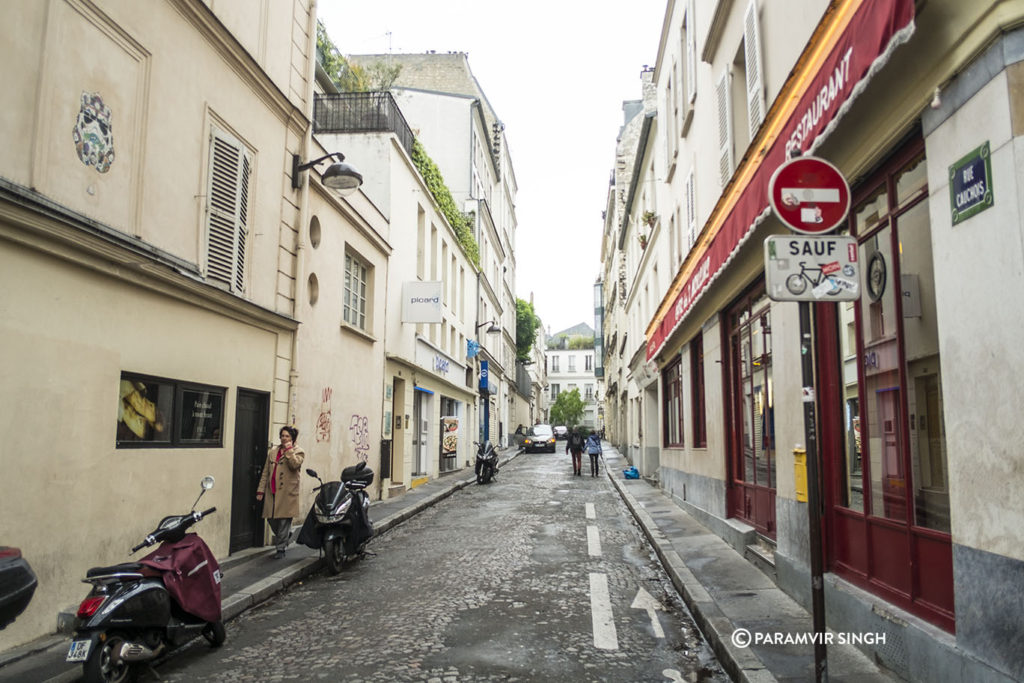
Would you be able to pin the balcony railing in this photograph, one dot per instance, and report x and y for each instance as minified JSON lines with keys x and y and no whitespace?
{"x":361,"y":112}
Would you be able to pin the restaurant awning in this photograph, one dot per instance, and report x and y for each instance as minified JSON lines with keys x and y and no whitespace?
{"x":854,"y":39}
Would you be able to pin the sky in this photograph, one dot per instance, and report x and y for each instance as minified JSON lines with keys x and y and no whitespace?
{"x":556,"y":73}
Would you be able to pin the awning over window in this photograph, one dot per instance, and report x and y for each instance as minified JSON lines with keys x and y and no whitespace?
{"x":853,"y":42}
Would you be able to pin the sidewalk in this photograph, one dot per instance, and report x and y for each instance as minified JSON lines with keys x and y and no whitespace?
{"x":725,"y":592}
{"x":250,"y":577}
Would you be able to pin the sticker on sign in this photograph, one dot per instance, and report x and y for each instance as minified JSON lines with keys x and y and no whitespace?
{"x":804,"y":268}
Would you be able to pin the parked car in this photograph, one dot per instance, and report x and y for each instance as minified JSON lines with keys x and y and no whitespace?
{"x":539,"y":438}
{"x":17,"y":584}
{"x":561,"y":432}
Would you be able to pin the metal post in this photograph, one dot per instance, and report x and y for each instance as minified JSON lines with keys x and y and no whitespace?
{"x":814,"y":497}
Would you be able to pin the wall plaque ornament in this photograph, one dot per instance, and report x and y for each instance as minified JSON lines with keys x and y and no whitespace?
{"x":93,"y":133}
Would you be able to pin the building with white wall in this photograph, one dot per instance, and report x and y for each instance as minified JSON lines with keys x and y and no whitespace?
{"x":570,"y":368}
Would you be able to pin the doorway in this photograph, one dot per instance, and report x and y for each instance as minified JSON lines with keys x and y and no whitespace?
{"x":251,"y":424}
{"x":421,"y":410}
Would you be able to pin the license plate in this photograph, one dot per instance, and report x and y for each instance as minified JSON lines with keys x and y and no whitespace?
{"x":79,"y":650}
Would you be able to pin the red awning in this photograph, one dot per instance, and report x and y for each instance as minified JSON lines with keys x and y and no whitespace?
{"x":876,"y":28}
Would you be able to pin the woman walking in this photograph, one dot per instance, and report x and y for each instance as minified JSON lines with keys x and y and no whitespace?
{"x":594,"y":451}
{"x":279,"y":487}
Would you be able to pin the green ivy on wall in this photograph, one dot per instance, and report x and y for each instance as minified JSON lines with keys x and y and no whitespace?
{"x":459,"y":221}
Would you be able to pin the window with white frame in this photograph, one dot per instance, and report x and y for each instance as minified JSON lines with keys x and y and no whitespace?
{"x":356,"y":281}
{"x":227,"y":214}
{"x":572,"y":363}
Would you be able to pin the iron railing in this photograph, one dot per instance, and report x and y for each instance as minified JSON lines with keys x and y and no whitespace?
{"x":361,"y":112}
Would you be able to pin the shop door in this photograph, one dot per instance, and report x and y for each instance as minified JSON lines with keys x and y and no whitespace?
{"x":251,"y":427}
{"x":751,"y":413}
{"x":421,"y":433}
{"x":880,"y":404}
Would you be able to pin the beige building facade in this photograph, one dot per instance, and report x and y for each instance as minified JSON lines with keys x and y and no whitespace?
{"x":164,"y":279}
{"x":916,"y":105}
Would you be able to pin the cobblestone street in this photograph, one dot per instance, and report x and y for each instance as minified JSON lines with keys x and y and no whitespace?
{"x":492,"y":584}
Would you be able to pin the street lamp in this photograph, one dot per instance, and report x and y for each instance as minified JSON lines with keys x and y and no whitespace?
{"x":341,"y":177}
{"x":493,"y":329}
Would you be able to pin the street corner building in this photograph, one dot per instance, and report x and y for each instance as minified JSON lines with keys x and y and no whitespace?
{"x":915,"y":379}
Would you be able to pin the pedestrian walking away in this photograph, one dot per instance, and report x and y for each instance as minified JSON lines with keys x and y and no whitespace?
{"x":594,"y":451}
{"x":279,"y":487}
{"x":574,"y":445}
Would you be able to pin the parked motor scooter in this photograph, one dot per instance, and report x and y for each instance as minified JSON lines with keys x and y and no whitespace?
{"x":136,"y":611}
{"x":486,"y":462}
{"x":339,"y":520}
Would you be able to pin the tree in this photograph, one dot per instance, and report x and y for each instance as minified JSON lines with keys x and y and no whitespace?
{"x":527,"y":323}
{"x":349,"y":77}
{"x":567,"y":409}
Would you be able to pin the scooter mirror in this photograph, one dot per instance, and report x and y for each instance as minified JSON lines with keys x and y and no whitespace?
{"x":312,"y":473}
{"x":207,"y":482}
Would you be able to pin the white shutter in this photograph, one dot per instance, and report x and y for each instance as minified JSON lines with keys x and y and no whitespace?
{"x":755,"y":79}
{"x":725,"y":155}
{"x":691,"y":52}
{"x":691,"y":210}
{"x":227,"y":211}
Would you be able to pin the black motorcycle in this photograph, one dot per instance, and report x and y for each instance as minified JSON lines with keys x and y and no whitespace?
{"x":486,"y":462}
{"x":339,"y":520}
{"x":136,"y":611}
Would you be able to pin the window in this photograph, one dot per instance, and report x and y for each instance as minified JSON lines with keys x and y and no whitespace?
{"x":572,"y":363}
{"x":160,"y":412}
{"x":588,"y":392}
{"x":588,"y":362}
{"x":699,"y":411}
{"x":356,"y":276}
{"x":554,"y":391}
{"x":554,"y":364}
{"x":672,"y":403}
{"x":227,"y":211}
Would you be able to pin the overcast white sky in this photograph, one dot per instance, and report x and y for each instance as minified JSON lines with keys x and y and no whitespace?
{"x":556,"y":73}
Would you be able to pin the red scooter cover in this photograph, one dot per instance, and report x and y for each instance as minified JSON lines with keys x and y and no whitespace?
{"x":191,"y":574}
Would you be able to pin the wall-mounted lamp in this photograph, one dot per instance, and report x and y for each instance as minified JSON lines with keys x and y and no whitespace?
{"x":493,"y":329}
{"x":341,"y":177}
{"x":936,"y":102}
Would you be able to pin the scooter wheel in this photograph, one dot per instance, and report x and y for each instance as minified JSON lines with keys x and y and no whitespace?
{"x":105,"y":665}
{"x":335,"y":554}
{"x":214,"y":632}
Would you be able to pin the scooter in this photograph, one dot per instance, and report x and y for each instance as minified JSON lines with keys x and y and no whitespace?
{"x":339,"y":520}
{"x":136,"y":611}
{"x":486,"y":462}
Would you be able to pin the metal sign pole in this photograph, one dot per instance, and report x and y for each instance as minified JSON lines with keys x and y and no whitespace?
{"x":814,"y":497}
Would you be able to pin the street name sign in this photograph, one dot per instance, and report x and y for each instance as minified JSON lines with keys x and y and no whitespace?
{"x":809,"y":195}
{"x":806,"y":268}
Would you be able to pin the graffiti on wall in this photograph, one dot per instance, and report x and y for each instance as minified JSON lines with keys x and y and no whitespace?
{"x":359,"y":428}
{"x":323,"y":422}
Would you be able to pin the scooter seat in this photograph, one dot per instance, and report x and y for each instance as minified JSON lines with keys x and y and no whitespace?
{"x":124,"y":568}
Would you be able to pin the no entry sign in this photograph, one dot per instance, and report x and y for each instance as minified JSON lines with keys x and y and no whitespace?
{"x":809,"y":195}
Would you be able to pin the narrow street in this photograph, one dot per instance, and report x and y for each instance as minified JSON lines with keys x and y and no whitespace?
{"x":539,"y":576}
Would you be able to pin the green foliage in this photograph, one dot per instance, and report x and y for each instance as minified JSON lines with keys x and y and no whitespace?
{"x":350,"y":77}
{"x":580,"y":342}
{"x":567,"y":409}
{"x":527,"y":323}
{"x":459,"y":221}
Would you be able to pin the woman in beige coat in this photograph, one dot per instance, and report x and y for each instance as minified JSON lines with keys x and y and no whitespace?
{"x":279,"y":487}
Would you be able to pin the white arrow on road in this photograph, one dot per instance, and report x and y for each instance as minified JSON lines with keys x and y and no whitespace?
{"x":646,"y":601}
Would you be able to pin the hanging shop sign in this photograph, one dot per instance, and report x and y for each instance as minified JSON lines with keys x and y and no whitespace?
{"x":970,"y":184}
{"x":421,"y":302}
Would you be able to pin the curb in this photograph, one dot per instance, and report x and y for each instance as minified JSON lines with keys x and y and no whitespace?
{"x":740,"y":663}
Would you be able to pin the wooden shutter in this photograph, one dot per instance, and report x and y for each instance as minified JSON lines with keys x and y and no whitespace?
{"x":691,"y":52}
{"x":691,"y":210}
{"x":227,"y":212}
{"x":725,"y":154}
{"x":752,"y":58}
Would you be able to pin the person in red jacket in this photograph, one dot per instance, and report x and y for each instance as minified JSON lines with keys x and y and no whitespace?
{"x":279,"y":487}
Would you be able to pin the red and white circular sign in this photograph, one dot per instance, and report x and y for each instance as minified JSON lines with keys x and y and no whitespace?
{"x":809,"y":195}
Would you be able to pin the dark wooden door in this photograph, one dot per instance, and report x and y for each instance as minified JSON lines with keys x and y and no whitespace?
{"x":251,"y":427}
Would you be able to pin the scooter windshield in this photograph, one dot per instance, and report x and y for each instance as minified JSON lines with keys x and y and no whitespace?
{"x":331,"y":495}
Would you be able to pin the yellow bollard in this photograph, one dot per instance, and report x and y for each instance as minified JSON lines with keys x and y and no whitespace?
{"x":800,"y":473}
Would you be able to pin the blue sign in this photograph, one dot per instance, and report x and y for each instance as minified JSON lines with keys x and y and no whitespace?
{"x":484,"y":375}
{"x":472,"y":348}
{"x":970,"y":184}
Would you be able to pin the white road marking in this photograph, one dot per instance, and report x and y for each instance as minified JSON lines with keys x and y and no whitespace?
{"x":673,"y":675}
{"x":605,"y":637}
{"x":646,"y":601}
{"x":593,"y":541}
{"x":591,"y":514}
